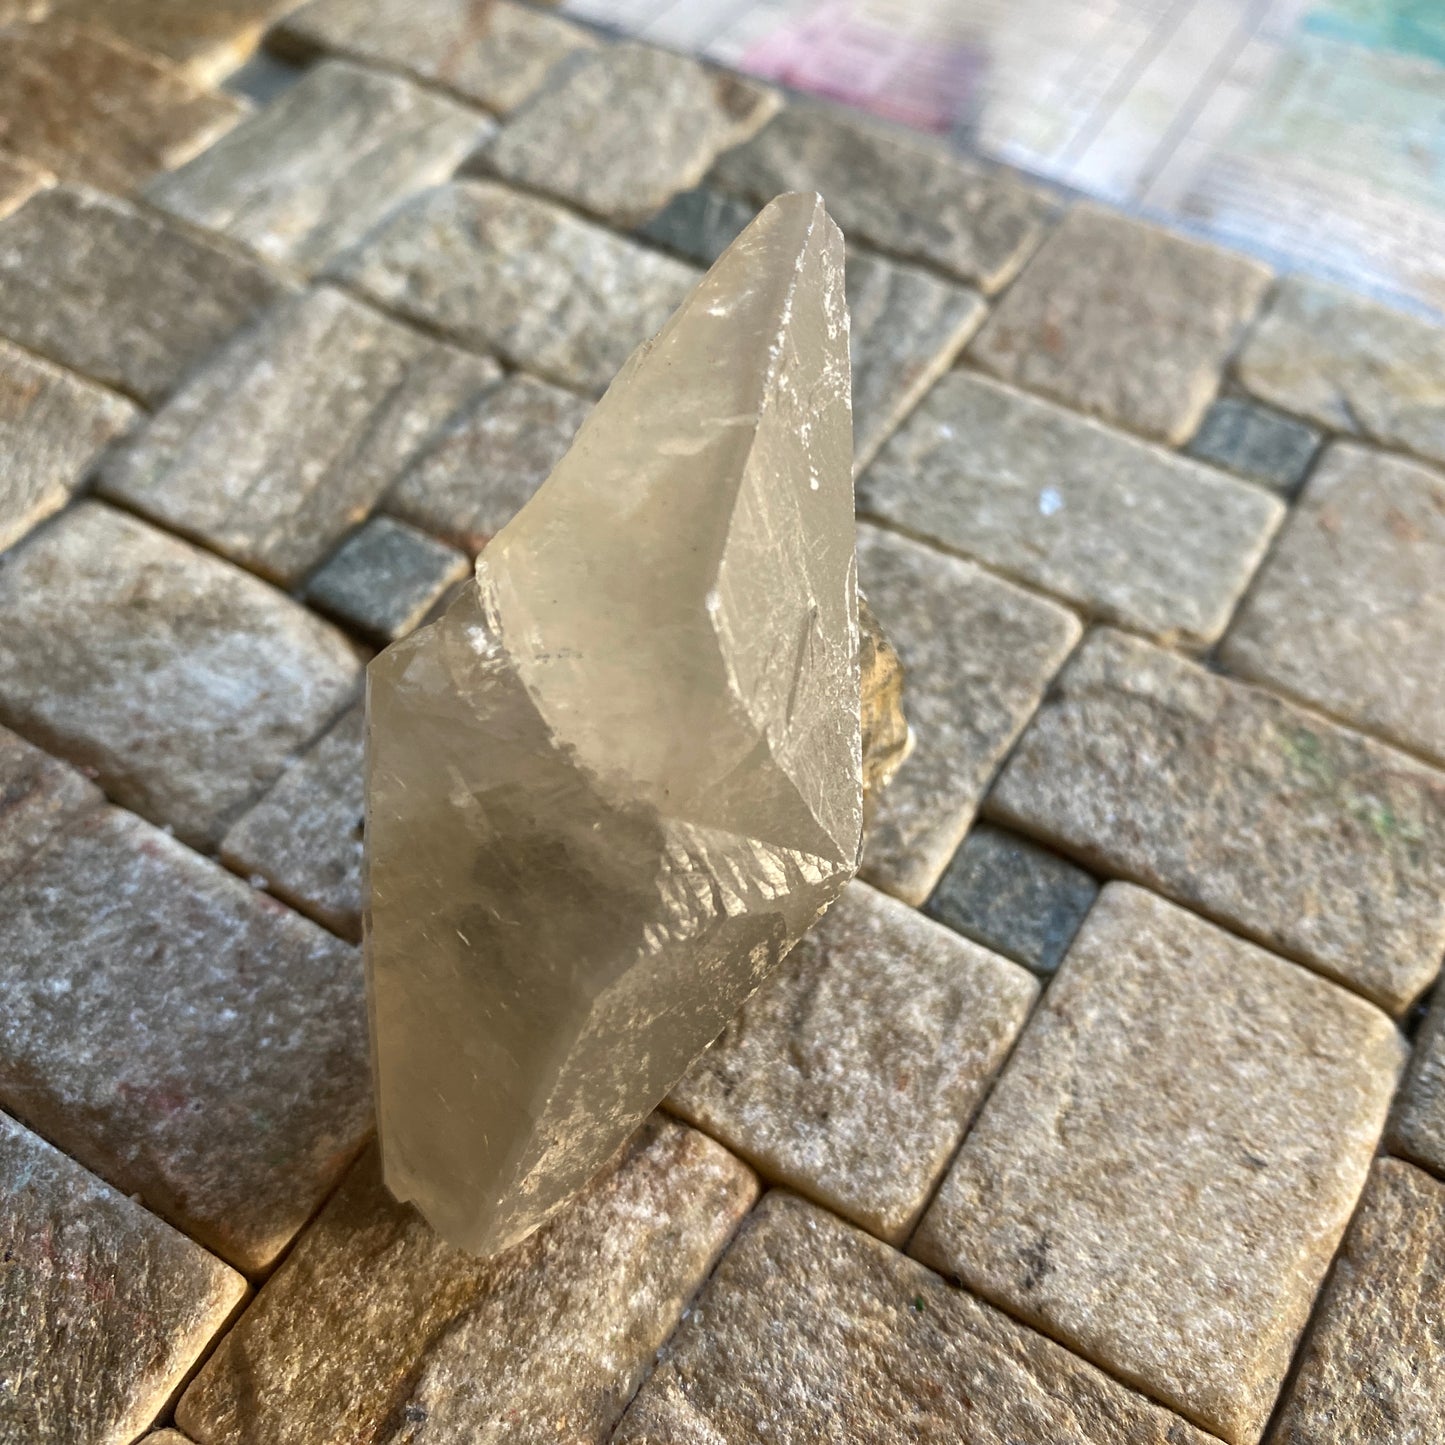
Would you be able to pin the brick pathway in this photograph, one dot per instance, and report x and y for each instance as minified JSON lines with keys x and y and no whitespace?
{"x":1115,"y":1117}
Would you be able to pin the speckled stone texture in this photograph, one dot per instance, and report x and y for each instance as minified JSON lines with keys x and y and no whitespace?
{"x":809,"y":1331}
{"x":1162,"y":1174}
{"x":182,"y":681}
{"x":54,"y":426}
{"x":39,"y":795}
{"x":1349,"y":611}
{"x":1129,"y":532}
{"x":1318,"y":842}
{"x":547,"y":1341}
{"x":279,"y":445}
{"x":474,"y":476}
{"x":699,"y":224}
{"x":1417,"y":1130}
{"x":1373,"y":1368}
{"x":233,"y":1097}
{"x":118,"y":293}
{"x":1125,"y":321}
{"x":1256,"y":442}
{"x":91,"y":108}
{"x":620,"y":130}
{"x":303,"y":839}
{"x":103,"y":1309}
{"x":313,"y":171}
{"x":910,"y":197}
{"x":977,"y":655}
{"x":508,"y":273}
{"x":1350,"y":365}
{"x":852,"y":1072}
{"x":495,"y":54}
{"x":20,"y":179}
{"x":1007,"y":893}
{"x":384,"y":579}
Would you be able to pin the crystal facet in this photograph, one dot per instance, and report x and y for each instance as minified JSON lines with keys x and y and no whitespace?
{"x":622,"y":775}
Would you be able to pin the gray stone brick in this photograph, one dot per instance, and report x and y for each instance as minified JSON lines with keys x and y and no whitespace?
{"x":1257,"y":442}
{"x":39,"y":795}
{"x":699,"y":224}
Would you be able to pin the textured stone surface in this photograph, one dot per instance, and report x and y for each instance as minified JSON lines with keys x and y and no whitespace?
{"x":1417,"y":1129}
{"x":886,"y":740}
{"x":1257,"y":442}
{"x":810,"y":1331}
{"x":39,"y":795}
{"x":977,"y":655}
{"x":385,"y":578}
{"x":622,"y":775}
{"x":699,"y":224}
{"x":91,"y":108}
{"x":317,"y":168}
{"x":1349,"y":611}
{"x":1014,"y":897}
{"x":1162,"y":1174}
{"x":186,"y":1037}
{"x":496,"y":54}
{"x":1318,"y":842}
{"x":905,"y":328}
{"x":182,"y":681}
{"x":620,"y":130}
{"x":119,"y":293}
{"x":104,"y":1309}
{"x":913,"y":198}
{"x":53,"y":428}
{"x":279,"y":445}
{"x":1350,"y":365}
{"x":509,"y":273}
{"x":852,"y":1072}
{"x":475,"y":475}
{"x":1131,"y":533}
{"x":20,"y":179}
{"x":551,"y":1337}
{"x":1123,"y":320}
{"x":1373,"y":1368}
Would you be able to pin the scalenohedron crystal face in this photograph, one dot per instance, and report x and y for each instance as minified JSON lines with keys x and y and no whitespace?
{"x":621,"y":776}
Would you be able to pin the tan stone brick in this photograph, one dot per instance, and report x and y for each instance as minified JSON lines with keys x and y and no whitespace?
{"x":39,"y":795}
{"x":19,"y":180}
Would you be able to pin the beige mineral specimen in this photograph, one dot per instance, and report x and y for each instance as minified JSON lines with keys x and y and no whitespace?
{"x":621,"y":776}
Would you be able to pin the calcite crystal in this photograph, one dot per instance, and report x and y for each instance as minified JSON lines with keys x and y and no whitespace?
{"x":622,"y":774}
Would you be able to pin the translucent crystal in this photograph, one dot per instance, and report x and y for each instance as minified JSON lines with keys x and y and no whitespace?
{"x":622,"y":775}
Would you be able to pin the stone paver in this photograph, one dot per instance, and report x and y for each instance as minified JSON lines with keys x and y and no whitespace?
{"x":19,"y":180}
{"x":1131,"y":533}
{"x":977,"y":655}
{"x":546,"y":1341}
{"x":911,"y":197}
{"x":1349,"y":611}
{"x":281,"y":443}
{"x":1123,"y":320}
{"x":92,"y":108}
{"x":54,"y":426}
{"x":120,"y":294}
{"x":1007,"y":893}
{"x":1162,"y":1174}
{"x":303,"y":839}
{"x":384,"y":579}
{"x":810,"y":1331}
{"x":39,"y":795}
{"x":506,"y":272}
{"x":1373,"y":1368}
{"x":1350,"y":365}
{"x":189,"y":1039}
{"x":103,"y":1309}
{"x":620,"y":130}
{"x":1318,"y":842}
{"x":699,"y":224}
{"x":1417,"y":1130}
{"x":495,"y":54}
{"x":182,"y":681}
{"x":1256,"y":442}
{"x":852,"y":1072}
{"x":312,"y":172}
{"x":475,"y":475}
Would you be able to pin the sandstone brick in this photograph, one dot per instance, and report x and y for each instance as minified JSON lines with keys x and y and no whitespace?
{"x":551,"y":1336}
{"x":182,"y":681}
{"x":105,"y":1308}
{"x":1417,"y":1130}
{"x":39,"y":795}
{"x":977,"y":655}
{"x":283,"y":441}
{"x":311,"y":173}
{"x":1161,"y":1175}
{"x":1256,"y":442}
